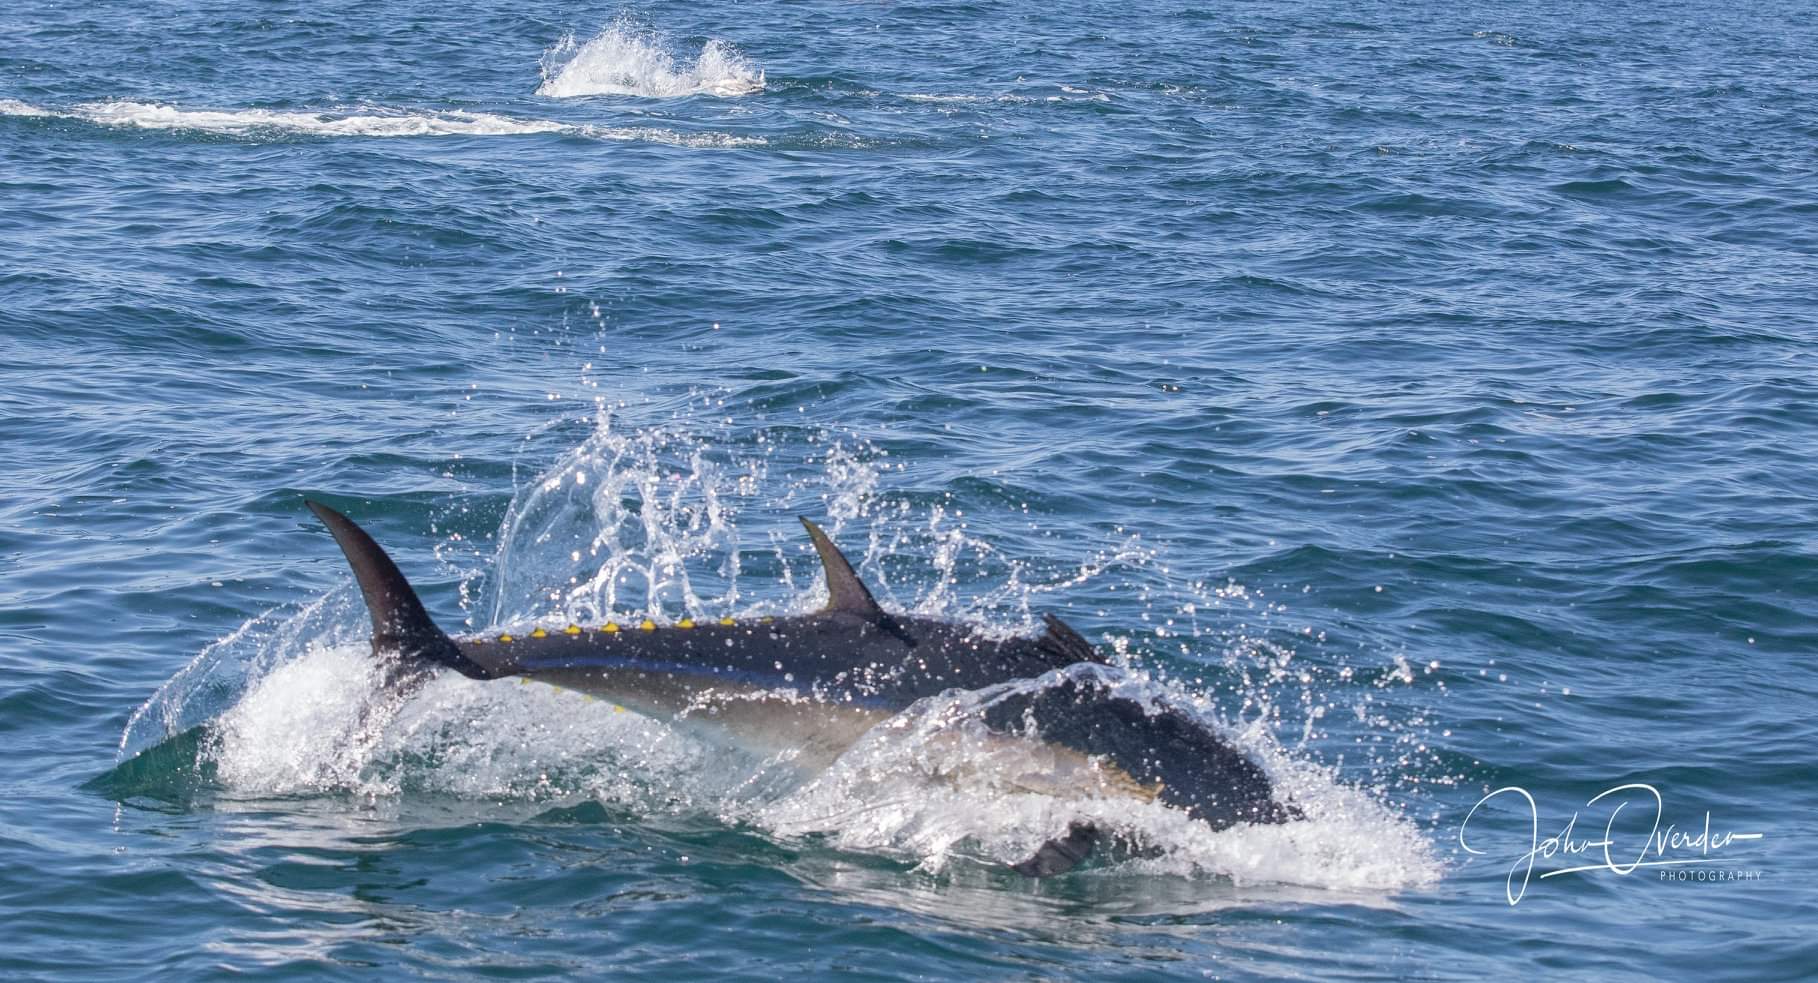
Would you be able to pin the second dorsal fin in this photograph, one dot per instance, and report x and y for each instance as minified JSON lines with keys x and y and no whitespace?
{"x":845,"y":591}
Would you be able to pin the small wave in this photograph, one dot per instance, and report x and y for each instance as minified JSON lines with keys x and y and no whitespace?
{"x":367,"y":122}
{"x":928,"y":97}
{"x":674,"y":138}
{"x":623,"y":61}
{"x":1066,"y":93}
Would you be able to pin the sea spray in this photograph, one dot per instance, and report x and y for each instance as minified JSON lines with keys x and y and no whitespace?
{"x":623,"y":60}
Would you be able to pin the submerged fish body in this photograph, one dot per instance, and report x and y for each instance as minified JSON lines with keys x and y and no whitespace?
{"x":814,"y":684}
{"x":832,"y":656}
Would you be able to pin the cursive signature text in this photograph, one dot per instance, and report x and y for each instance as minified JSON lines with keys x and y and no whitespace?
{"x":1618,"y":850}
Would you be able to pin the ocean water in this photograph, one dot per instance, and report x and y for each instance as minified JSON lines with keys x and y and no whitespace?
{"x":1424,"y":395}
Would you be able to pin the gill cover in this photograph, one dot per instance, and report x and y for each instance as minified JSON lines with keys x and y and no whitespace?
{"x":401,"y":628}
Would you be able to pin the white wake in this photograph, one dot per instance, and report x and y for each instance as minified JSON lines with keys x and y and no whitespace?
{"x":372,"y":122}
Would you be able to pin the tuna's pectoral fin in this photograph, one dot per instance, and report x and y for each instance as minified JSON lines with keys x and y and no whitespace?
{"x":1061,"y":854}
{"x":401,"y":628}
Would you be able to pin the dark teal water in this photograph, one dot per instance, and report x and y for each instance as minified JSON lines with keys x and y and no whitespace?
{"x":1428,"y":393}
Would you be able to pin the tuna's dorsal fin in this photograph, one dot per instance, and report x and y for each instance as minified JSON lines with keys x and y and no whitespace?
{"x":845,"y":591}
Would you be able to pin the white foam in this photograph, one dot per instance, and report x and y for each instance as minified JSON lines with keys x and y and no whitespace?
{"x":324,"y":723}
{"x":366,"y":122}
{"x":153,"y":116}
{"x":932,"y":785}
{"x":624,"y":61}
{"x":13,"y":107}
{"x":302,"y":727}
{"x":242,"y":122}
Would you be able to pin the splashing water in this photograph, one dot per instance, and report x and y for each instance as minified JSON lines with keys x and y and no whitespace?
{"x":321,"y":723}
{"x":221,"y":675}
{"x":650,"y":518}
{"x":933,"y":785}
{"x":625,"y":61}
{"x":636,"y":518}
{"x":644,"y":521}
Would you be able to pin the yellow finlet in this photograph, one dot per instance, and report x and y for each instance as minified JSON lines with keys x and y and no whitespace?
{"x":685,"y":623}
{"x":504,"y":638}
{"x":539,"y":633}
{"x":728,"y":622}
{"x":612,"y":628}
{"x":572,"y":630}
{"x":648,"y":625}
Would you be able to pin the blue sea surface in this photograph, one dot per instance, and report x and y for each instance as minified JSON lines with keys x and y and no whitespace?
{"x":1425,"y":394}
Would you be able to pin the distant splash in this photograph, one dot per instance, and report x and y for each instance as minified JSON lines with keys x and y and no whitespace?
{"x":373,"y":122}
{"x":625,"y":61}
{"x":647,"y":519}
